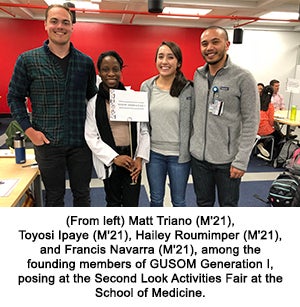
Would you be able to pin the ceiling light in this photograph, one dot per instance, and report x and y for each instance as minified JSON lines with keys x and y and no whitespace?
{"x":280,"y":15}
{"x":177,"y":17}
{"x":185,"y":11}
{"x":78,"y":4}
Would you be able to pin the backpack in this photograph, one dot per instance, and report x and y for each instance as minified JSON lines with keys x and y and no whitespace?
{"x":293,"y":164}
{"x":283,"y":190}
{"x":296,"y":200}
{"x":285,"y":153}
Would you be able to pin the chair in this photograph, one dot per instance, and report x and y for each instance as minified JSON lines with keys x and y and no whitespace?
{"x":265,"y":137}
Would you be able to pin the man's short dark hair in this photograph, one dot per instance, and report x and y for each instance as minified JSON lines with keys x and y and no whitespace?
{"x":272,"y":82}
{"x":218,"y":28}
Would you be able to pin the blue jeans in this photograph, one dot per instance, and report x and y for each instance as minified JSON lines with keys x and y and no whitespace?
{"x":157,"y":170}
{"x":208,"y":176}
{"x":54,"y":162}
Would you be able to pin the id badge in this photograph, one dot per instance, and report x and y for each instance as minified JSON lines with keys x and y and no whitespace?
{"x":216,"y":108}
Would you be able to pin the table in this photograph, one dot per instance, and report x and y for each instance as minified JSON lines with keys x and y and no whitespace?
{"x":27,"y":176}
{"x":281,"y":117}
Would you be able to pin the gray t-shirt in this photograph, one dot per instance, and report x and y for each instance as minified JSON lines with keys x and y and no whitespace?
{"x":164,"y":121}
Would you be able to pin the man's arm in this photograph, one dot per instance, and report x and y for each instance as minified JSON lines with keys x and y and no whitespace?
{"x":17,"y":92}
{"x":250,"y":106}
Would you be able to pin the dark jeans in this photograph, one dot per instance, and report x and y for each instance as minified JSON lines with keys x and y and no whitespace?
{"x":118,"y":188}
{"x":53,"y":163}
{"x":208,"y":176}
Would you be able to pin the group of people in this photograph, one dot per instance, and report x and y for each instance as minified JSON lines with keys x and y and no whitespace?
{"x":206,"y":126}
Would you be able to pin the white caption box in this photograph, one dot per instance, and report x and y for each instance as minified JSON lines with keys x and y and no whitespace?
{"x":149,"y":256}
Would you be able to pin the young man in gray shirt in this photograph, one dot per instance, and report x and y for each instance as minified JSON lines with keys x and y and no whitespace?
{"x":225,"y":122}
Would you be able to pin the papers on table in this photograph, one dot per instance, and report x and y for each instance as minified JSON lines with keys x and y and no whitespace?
{"x":9,"y":153}
{"x":6,"y":186}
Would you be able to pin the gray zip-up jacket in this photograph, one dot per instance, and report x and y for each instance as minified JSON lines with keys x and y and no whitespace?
{"x":186,"y":100}
{"x":229,"y":137}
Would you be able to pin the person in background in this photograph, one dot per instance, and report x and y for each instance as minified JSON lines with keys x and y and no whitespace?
{"x":225,"y":122}
{"x":278,"y":102}
{"x":260,"y":87}
{"x":170,"y":104}
{"x":277,"y":98}
{"x":110,"y":141}
{"x":58,"y":79}
{"x":266,"y":124}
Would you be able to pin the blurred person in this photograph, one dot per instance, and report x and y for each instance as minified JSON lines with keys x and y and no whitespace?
{"x":278,"y":102}
{"x":260,"y":87}
{"x":277,"y":98}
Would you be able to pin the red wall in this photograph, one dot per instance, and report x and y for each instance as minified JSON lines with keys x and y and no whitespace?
{"x":136,"y":45}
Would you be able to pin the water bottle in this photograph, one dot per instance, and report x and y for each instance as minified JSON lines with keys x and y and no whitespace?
{"x":293,"y":113}
{"x":19,"y":145}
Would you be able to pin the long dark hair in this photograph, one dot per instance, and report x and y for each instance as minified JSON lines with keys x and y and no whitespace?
{"x":265,"y":97}
{"x":180,"y":80}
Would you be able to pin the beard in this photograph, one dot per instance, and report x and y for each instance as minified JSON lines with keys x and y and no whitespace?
{"x":220,"y":57}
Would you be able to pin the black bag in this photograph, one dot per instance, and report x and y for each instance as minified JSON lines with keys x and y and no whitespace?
{"x":283,"y":190}
{"x":296,"y":200}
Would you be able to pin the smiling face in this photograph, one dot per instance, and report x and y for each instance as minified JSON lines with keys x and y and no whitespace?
{"x":110,"y":72}
{"x":214,"y":45}
{"x":59,"y":26}
{"x":166,"y":62}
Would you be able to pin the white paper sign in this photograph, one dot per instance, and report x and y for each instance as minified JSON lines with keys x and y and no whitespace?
{"x":6,"y":186}
{"x":131,"y":106}
{"x":293,"y":86}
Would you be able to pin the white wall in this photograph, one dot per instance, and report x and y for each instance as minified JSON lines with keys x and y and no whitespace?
{"x":269,"y":55}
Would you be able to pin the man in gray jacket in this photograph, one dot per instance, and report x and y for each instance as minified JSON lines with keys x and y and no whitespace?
{"x":225,"y":122}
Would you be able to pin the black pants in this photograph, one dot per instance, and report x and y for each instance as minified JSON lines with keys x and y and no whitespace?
{"x":208,"y":177}
{"x":54,"y":162}
{"x":118,"y":188}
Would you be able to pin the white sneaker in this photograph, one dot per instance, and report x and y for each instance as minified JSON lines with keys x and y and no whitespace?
{"x":263,"y":157}
{"x":262,"y":150}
